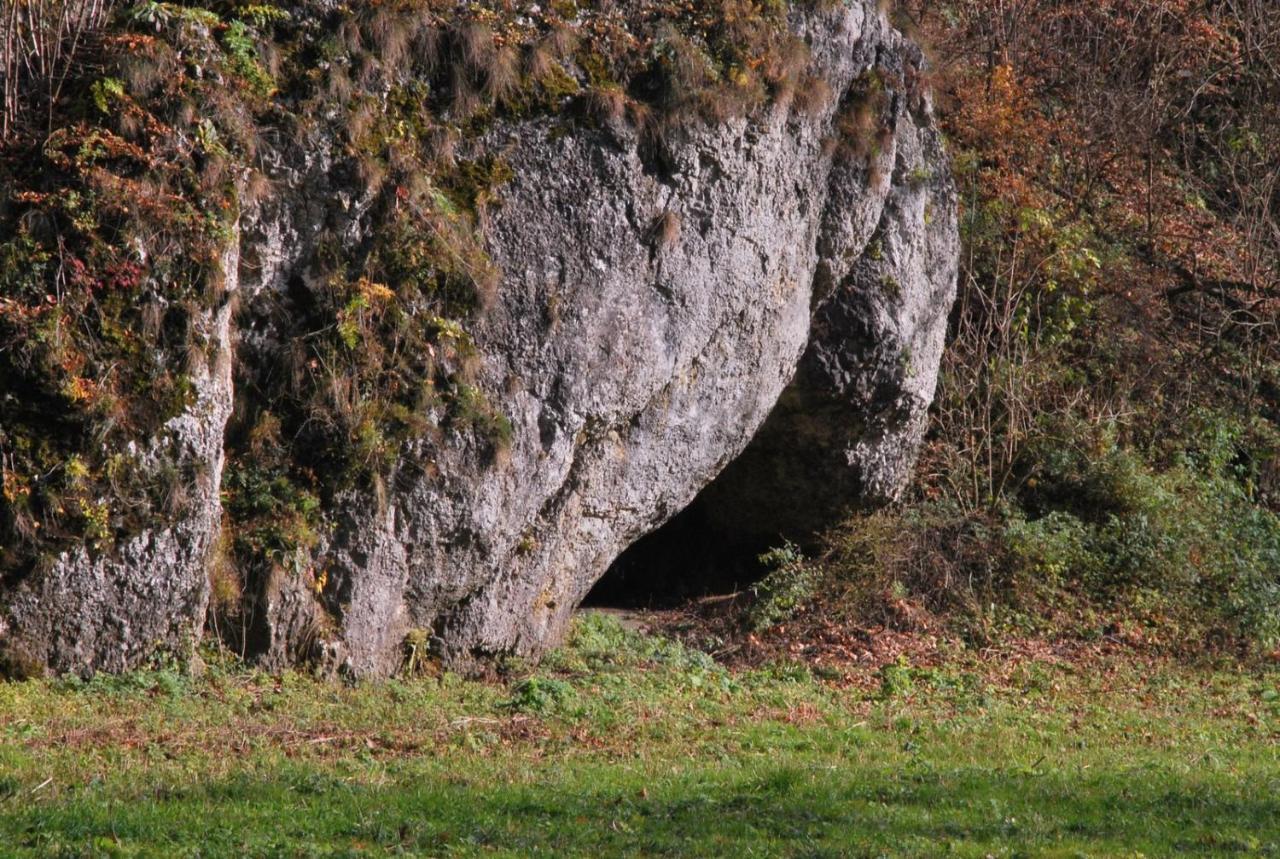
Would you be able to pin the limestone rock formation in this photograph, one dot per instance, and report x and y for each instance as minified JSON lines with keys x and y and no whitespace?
{"x":658,"y":301}
{"x":634,"y":367}
{"x":113,"y":611}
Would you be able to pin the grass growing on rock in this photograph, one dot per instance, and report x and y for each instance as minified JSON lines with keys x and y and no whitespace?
{"x":628,"y":744}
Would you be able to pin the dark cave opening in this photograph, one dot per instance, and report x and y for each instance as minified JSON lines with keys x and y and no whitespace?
{"x":790,"y":484}
{"x":686,"y":558}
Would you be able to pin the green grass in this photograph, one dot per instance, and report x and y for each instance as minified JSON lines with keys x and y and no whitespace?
{"x":624,"y":745}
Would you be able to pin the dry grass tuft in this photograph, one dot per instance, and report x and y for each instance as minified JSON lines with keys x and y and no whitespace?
{"x":427,"y":46}
{"x":642,"y":117}
{"x":390,"y":34}
{"x":361,"y":120}
{"x":813,"y":95}
{"x":861,"y":128}
{"x":539,"y":61}
{"x":605,"y":104}
{"x":373,"y":175}
{"x":350,"y":35}
{"x":666,"y":230}
{"x":339,"y":85}
{"x":226,"y":587}
{"x":502,"y":77}
{"x":475,"y":45}
{"x":465,"y":98}
{"x":442,"y":147}
{"x":560,"y":42}
{"x":146,"y":72}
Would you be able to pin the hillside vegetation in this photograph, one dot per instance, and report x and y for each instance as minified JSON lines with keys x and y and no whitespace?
{"x":1103,"y":456}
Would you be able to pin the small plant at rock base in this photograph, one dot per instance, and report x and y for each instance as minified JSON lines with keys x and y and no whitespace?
{"x":419,"y":655}
{"x":790,"y":583}
{"x":540,"y":696}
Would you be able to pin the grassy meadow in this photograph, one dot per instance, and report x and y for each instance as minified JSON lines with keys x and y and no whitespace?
{"x":626,"y":744}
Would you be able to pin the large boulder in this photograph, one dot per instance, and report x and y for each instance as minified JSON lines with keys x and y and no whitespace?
{"x":652,"y":311}
{"x":661,"y":295}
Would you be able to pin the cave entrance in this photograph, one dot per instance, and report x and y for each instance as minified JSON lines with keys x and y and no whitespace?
{"x":791,"y":483}
{"x":685,"y":559}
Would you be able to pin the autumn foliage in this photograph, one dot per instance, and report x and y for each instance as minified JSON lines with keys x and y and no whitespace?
{"x":1120,"y":163}
{"x":1105,"y":449}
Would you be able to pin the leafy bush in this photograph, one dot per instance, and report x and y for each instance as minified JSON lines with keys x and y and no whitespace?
{"x":1098,"y":535}
{"x":789,"y":584}
{"x":1185,"y":542}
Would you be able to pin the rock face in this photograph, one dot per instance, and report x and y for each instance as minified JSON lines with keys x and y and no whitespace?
{"x":635,"y":367}
{"x":658,"y":303}
{"x":846,"y":431}
{"x":114,"y":611}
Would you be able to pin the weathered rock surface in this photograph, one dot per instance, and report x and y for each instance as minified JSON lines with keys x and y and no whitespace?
{"x":113,"y":611}
{"x":846,"y":431}
{"x":634,"y":365}
{"x":634,"y":371}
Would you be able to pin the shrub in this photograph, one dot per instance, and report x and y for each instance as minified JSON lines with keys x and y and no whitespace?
{"x":789,"y":584}
{"x":1101,"y":534}
{"x":1186,"y":548}
{"x":1187,"y":541}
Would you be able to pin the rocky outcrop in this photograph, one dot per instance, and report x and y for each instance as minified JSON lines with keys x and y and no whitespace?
{"x":113,"y":611}
{"x":659,"y":300}
{"x":845,"y":432}
{"x":634,"y":367}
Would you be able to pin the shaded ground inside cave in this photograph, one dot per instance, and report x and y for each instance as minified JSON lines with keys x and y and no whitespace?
{"x":790,"y":484}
